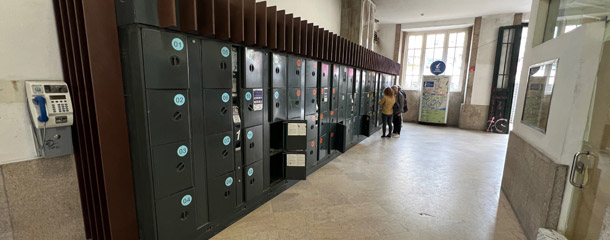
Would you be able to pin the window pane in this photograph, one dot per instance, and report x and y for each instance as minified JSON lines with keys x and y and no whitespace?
{"x":461,"y":39}
{"x":430,"y":41}
{"x":452,"y":39}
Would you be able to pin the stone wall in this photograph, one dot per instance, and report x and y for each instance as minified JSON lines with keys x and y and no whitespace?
{"x":533,"y":184}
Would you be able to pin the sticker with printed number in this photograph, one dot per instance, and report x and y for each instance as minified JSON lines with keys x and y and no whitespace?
{"x":276,"y":95}
{"x":225,"y":52}
{"x":229,"y":181}
{"x":250,"y":172}
{"x":177,"y":44}
{"x":226,"y":97}
{"x":250,"y":134}
{"x":226,"y":141}
{"x":179,"y":99}
{"x":182,"y":151}
{"x":248,"y":96}
{"x":186,"y":200}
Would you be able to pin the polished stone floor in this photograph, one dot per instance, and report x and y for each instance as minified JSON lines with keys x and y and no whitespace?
{"x":432,"y":183}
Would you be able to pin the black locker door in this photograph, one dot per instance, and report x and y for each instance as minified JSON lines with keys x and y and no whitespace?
{"x":342,"y":107}
{"x":324,"y":100}
{"x":168,"y":116}
{"x":311,"y":102}
{"x":296,"y":72}
{"x":324,"y":76}
{"x":172,"y":168}
{"x":165,"y":57}
{"x":176,"y":216}
{"x":278,"y":102}
{"x":253,"y":144}
{"x":324,"y":123}
{"x":312,"y":152}
{"x":219,"y":153}
{"x":278,"y":71}
{"x":217,"y":111}
{"x":217,"y":64}
{"x":222,"y":195}
{"x":312,"y":126}
{"x":253,"y":68}
{"x":253,"y":180}
{"x":296,"y":103}
{"x":252,"y":107}
{"x":311,"y":77}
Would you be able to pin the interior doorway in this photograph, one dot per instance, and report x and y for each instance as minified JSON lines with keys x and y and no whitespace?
{"x":507,"y":72}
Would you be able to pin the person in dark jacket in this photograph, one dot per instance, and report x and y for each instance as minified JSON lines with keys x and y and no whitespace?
{"x":399,"y":107}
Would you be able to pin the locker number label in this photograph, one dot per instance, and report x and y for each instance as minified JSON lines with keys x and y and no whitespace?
{"x":186,"y":200}
{"x":250,"y":172}
{"x":225,"y":52}
{"x":229,"y":181}
{"x":182,"y":151}
{"x":276,"y":95}
{"x":225,"y":97}
{"x":177,"y":44}
{"x":226,"y":141}
{"x":179,"y":99}
{"x":248,"y":96}
{"x":250,"y":134}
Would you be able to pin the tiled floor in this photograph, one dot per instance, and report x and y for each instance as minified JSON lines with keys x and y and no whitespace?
{"x":432,"y":183}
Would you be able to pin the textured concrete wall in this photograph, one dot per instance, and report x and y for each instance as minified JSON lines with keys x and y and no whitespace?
{"x":474,"y":117}
{"x":413,"y":104}
{"x":533,"y":184}
{"x":40,"y":200}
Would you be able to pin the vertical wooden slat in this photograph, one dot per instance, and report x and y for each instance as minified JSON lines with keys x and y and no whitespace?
{"x":188,"y":15}
{"x":327,"y":46}
{"x":321,"y":43}
{"x":331,"y":46}
{"x":261,"y":24}
{"x":237,"y":20}
{"x":289,"y":32}
{"x":222,"y":19}
{"x":250,"y":21}
{"x":297,"y":32}
{"x":166,"y":10}
{"x":281,"y":30}
{"x":304,"y":38}
{"x":272,"y":27}
{"x":310,"y":40}
{"x":205,"y":17}
{"x":313,"y":50}
{"x":89,"y":50}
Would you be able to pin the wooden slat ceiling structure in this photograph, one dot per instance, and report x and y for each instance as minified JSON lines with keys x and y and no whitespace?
{"x":255,"y":24}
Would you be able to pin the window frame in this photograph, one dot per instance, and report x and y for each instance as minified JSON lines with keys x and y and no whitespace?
{"x":422,"y":67}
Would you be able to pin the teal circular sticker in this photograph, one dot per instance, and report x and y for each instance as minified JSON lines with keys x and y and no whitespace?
{"x":177,"y":44}
{"x":182,"y":151}
{"x":250,"y":134}
{"x":225,"y":97}
{"x":179,"y":99}
{"x":250,"y":172}
{"x":225,"y":52}
{"x":226,"y":140}
{"x":276,"y":95}
{"x":248,"y":96}
{"x":186,"y":200}
{"x":229,"y":181}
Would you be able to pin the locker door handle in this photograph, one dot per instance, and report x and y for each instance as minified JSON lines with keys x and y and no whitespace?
{"x":184,"y":215}
{"x":227,"y":194}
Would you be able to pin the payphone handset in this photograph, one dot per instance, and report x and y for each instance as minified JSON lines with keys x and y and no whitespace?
{"x":49,"y":103}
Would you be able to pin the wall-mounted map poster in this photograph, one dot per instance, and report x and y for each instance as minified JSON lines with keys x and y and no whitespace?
{"x":434,"y":99}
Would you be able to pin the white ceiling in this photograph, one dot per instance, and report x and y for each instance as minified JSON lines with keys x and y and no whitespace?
{"x":409,"y":11}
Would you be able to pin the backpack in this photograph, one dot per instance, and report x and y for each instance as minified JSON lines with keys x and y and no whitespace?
{"x":404,"y":106}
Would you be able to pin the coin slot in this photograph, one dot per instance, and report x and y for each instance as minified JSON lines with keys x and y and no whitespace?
{"x":225,"y":153}
{"x":251,"y":68}
{"x":227,"y":194}
{"x":277,"y":70}
{"x":223,"y":65}
{"x":174,"y":60}
{"x":184,"y":215}
{"x":223,"y":111}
